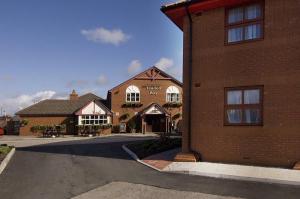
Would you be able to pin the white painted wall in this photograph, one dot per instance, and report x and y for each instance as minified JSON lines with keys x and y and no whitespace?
{"x":153,"y":110}
{"x":92,"y":109}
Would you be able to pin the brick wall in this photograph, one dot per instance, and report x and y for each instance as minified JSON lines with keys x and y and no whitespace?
{"x":273,"y":62}
{"x":47,"y":120}
{"x":118,"y":98}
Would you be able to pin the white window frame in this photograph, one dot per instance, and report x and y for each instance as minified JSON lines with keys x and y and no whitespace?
{"x":133,"y":92}
{"x":94,"y":119}
{"x":171,"y":93}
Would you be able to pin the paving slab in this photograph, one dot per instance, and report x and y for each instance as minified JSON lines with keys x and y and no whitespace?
{"x":124,"y":190}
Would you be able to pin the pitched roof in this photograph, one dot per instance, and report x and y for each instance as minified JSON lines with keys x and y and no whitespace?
{"x":144,"y":72}
{"x":157,"y":106}
{"x":59,"y":107}
{"x":177,"y":11}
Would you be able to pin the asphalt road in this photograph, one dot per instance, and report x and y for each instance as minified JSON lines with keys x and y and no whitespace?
{"x":67,"y":169}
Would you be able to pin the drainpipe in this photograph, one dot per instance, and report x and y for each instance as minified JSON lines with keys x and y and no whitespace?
{"x":190,"y":72}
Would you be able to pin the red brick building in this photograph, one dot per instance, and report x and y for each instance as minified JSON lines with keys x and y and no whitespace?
{"x":241,"y":80}
{"x":87,"y":109}
{"x":148,"y":102}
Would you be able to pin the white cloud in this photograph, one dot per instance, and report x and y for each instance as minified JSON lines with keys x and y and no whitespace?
{"x":134,"y":67}
{"x":102,"y":35}
{"x":102,"y":80}
{"x":164,"y":63}
{"x":11,"y":105}
{"x":169,"y":67}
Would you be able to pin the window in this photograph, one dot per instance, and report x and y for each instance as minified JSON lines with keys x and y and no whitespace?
{"x":244,"y":23}
{"x":132,"y":94}
{"x":172,"y":94}
{"x":94,"y":119}
{"x":243,"y":106}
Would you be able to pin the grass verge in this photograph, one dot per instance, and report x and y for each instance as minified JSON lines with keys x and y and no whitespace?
{"x":4,"y":150}
{"x":150,"y":147}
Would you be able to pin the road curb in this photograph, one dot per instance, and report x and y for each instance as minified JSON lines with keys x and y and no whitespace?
{"x":220,"y":176}
{"x":136,"y":158}
{"x":7,"y":159}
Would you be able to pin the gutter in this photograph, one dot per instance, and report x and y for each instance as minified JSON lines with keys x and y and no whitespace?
{"x":190,"y":72}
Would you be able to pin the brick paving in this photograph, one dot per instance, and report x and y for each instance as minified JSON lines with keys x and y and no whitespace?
{"x":162,"y":160}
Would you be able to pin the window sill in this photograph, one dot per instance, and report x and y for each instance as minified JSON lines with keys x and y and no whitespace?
{"x":132,"y":104}
{"x":173,"y":104}
{"x":244,"y":125}
{"x":243,"y":42}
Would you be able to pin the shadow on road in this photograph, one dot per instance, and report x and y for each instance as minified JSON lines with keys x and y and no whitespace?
{"x":110,"y":147}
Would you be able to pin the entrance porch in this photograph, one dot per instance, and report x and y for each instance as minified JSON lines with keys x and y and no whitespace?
{"x":154,"y":118}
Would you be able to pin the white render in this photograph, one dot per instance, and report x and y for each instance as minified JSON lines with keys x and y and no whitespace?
{"x":93,"y":109}
{"x":153,"y":110}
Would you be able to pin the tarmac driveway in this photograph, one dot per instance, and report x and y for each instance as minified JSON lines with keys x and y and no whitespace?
{"x":68,"y":169}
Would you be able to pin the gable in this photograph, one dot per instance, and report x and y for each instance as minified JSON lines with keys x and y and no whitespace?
{"x":153,"y":110}
{"x":91,"y":109}
{"x":150,"y":74}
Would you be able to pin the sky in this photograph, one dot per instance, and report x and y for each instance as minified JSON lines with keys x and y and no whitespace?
{"x":50,"y":47}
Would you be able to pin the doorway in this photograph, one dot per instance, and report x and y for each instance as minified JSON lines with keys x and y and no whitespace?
{"x":155,"y":123}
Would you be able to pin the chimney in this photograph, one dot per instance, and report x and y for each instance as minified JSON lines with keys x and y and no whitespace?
{"x":73,"y":95}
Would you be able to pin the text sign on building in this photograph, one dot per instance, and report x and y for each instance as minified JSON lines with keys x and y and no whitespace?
{"x":152,"y":89}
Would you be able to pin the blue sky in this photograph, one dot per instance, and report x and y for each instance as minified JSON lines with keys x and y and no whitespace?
{"x":50,"y":47}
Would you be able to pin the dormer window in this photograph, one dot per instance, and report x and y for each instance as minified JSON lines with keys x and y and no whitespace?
{"x":172,"y":94}
{"x":244,"y":23}
{"x":132,"y":94}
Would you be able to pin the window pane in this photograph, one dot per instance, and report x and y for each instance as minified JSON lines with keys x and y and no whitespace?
{"x":137,"y":97}
{"x":128,"y":97}
{"x":253,"y":11}
{"x":252,"y":116}
{"x":253,"y":31}
{"x":234,"y":97}
{"x":132,"y":97}
{"x":251,"y":96}
{"x":235,"y":15}
{"x":235,"y":34}
{"x":234,"y":116}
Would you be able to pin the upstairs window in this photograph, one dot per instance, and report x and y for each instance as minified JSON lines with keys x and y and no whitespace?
{"x":132,"y":94}
{"x":244,"y":23}
{"x":243,"y":106}
{"x":172,"y":94}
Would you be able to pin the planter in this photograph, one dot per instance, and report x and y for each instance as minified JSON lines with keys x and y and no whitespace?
{"x":132,"y":105}
{"x":173,"y":104}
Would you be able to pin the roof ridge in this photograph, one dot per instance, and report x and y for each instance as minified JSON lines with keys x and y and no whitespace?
{"x":152,"y":67}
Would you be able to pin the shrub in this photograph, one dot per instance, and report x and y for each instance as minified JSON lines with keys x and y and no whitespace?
{"x":124,"y":117}
{"x":176,"y":116}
